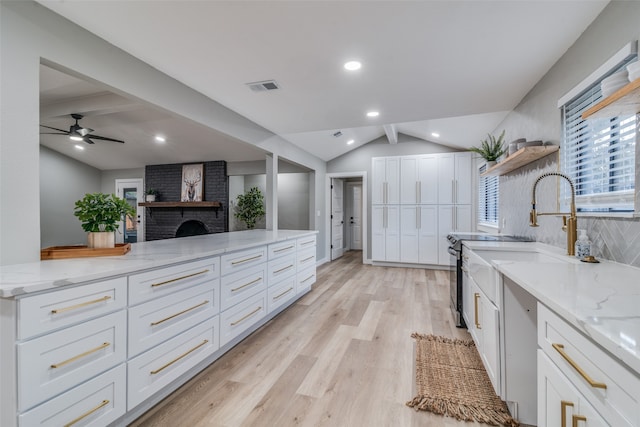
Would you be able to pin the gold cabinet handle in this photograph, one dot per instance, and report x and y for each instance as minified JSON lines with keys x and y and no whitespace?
{"x":277,"y":297}
{"x":307,"y":279}
{"x":308,"y":242}
{"x":284,"y":249}
{"x":476,"y":297}
{"x":560,"y":349}
{"x":166,"y":282}
{"x":84,"y":304}
{"x":86,"y":414}
{"x":157,"y":322}
{"x":246,"y":260}
{"x":563,"y":411}
{"x":246,"y":317}
{"x":166,"y":365}
{"x":80,"y":356}
{"x":306,"y":259}
{"x":283,"y":269}
{"x":576,"y":418}
{"x":247,"y":284}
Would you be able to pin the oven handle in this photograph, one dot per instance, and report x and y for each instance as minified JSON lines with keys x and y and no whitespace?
{"x":453,"y":252}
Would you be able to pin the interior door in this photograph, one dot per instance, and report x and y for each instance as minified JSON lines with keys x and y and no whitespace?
{"x":354,"y":193}
{"x":131,"y":230}
{"x":337,"y":218}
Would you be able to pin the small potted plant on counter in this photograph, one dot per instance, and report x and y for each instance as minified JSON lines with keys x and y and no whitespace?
{"x":100,"y":215}
{"x":151,"y":195}
{"x":491,"y":149}
{"x":250,"y":207}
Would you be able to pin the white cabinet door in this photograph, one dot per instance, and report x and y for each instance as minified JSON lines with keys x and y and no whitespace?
{"x":428,"y":234}
{"x":462,"y":218}
{"x":445,"y":226}
{"x":428,"y":179}
{"x":393,"y":180}
{"x":385,"y":231}
{"x":385,"y":180}
{"x":490,"y":328}
{"x":463,"y":178}
{"x":378,"y":221}
{"x":446,"y":178}
{"x":409,"y":180}
{"x":559,"y":403}
{"x":409,"y":233}
{"x":392,"y":238}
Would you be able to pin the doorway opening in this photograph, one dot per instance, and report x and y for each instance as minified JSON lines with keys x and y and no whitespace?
{"x":132,"y":228}
{"x":346,"y":213}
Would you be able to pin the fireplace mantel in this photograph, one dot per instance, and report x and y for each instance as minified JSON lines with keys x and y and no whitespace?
{"x":181,"y":206}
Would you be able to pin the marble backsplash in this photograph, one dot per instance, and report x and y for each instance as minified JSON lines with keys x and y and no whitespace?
{"x":615,"y":239}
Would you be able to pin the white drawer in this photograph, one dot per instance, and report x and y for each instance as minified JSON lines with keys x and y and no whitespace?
{"x":483,"y":274}
{"x":306,"y":242}
{"x":45,"y":312}
{"x":306,"y":258}
{"x":58,"y":361}
{"x":160,"y":319}
{"x":281,"y":293}
{"x":279,"y":249}
{"x":572,"y":352}
{"x":241,"y":285}
{"x":305,"y":279}
{"x":97,"y":403}
{"x":281,"y":268}
{"x":163,"y":281}
{"x":237,"y":261}
{"x":241,"y":317}
{"x":158,"y":367}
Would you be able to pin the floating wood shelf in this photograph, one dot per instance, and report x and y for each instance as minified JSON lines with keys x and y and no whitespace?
{"x":520,"y":158}
{"x":625,"y":100}
{"x":181,"y":205}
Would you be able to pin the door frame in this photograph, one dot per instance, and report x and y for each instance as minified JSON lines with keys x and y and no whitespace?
{"x":365,"y":209}
{"x":139,"y":182}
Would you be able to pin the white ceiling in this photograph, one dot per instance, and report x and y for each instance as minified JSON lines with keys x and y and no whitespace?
{"x":452,"y":67}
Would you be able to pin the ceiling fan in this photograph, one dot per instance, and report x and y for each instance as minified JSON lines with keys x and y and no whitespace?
{"x":79,"y":133}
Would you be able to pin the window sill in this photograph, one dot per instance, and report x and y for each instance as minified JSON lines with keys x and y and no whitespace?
{"x":486,"y":228}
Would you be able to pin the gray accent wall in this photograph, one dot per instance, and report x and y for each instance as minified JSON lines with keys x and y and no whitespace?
{"x":537,"y":117}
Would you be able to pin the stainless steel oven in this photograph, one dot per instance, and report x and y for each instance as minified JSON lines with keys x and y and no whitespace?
{"x":455,"y":266}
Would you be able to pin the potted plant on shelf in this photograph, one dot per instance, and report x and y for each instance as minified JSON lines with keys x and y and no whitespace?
{"x":151,"y":195}
{"x":491,"y":148}
{"x":100,"y":215}
{"x":250,"y":207}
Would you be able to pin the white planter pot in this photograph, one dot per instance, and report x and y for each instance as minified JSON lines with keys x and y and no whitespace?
{"x":150,"y":197}
{"x":101,"y":239}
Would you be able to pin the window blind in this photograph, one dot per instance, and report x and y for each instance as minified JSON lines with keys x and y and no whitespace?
{"x":488,"y":199}
{"x":599,"y":155}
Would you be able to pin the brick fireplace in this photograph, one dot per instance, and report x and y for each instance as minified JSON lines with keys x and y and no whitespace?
{"x":166,"y":222}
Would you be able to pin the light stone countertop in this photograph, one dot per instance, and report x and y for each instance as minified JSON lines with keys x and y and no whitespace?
{"x":600,"y":300}
{"x":20,"y":279}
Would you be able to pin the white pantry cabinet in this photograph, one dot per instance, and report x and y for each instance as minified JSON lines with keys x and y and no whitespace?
{"x":385,"y":181}
{"x":419,"y":234}
{"x":419,"y":179}
{"x":385,"y":233}
{"x":455,"y":178}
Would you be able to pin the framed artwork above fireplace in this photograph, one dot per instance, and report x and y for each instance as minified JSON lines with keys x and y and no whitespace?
{"x":192,"y":180}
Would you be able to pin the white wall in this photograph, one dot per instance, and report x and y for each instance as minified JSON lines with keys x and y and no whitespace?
{"x":29,"y":34}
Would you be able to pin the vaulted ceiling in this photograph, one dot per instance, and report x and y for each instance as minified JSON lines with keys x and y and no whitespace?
{"x":455,"y":68}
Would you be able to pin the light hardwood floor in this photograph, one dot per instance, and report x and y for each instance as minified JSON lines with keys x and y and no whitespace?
{"x":341,"y":356}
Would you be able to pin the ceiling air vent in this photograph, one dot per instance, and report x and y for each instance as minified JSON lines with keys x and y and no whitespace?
{"x":263,"y":86}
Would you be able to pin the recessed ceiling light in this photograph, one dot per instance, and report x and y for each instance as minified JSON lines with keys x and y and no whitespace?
{"x":160,"y":138}
{"x":352,"y":65}
{"x":75,"y":138}
{"x":79,"y":147}
{"x":351,"y":141}
{"x":435,"y":134}
{"x":373,"y":114}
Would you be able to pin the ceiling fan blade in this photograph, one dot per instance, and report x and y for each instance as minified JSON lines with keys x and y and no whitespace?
{"x":61,"y":130}
{"x":53,"y":133}
{"x":87,"y":140}
{"x":104,"y":138}
{"x":79,"y":130}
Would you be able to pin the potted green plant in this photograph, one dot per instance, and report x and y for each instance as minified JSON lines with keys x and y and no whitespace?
{"x":250,"y":207}
{"x":491,"y":148}
{"x":100,"y":215}
{"x":151,"y":195}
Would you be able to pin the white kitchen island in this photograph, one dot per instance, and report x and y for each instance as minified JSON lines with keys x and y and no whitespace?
{"x":569,"y":334}
{"x":98,"y":341}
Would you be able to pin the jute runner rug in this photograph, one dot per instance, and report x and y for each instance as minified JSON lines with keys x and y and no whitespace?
{"x":452,"y":381}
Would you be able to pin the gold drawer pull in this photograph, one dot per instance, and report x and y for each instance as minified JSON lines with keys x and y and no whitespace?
{"x":308,"y":242}
{"x":86,"y":414}
{"x":163,"y":367}
{"x":563,"y":411}
{"x":246,"y":259}
{"x":166,"y":282}
{"x":84,"y":304}
{"x":80,"y":356}
{"x":283,"y":269}
{"x":247,"y":284}
{"x":576,"y":418}
{"x":178,"y":314}
{"x":560,"y":349}
{"x":284,"y":249}
{"x":307,"y":259}
{"x":307,"y":279}
{"x":476,"y":297}
{"x":246,"y":317}
{"x":277,"y":297}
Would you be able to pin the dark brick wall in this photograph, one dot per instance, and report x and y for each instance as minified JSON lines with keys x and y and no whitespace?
{"x":162,"y":223}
